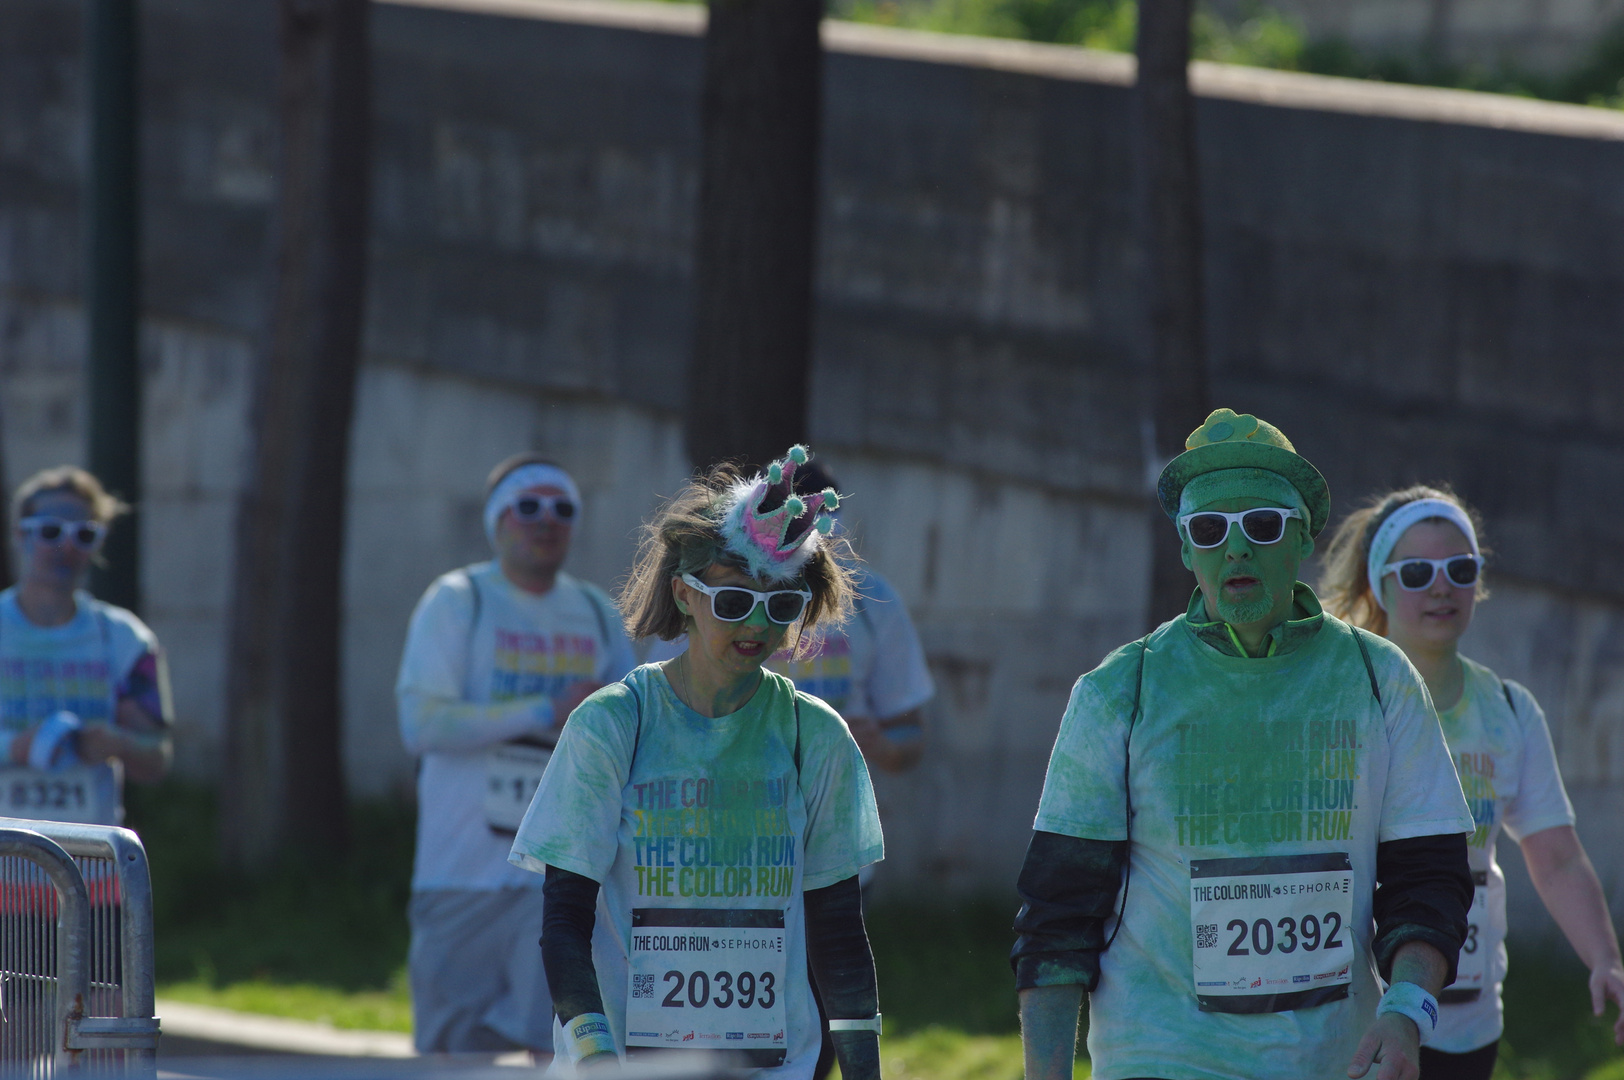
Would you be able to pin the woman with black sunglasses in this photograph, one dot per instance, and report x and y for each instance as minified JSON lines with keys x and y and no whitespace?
{"x":1408,"y":566}
{"x":722,"y":815}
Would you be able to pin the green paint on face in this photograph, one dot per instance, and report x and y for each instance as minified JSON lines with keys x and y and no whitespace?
{"x":1245,"y":584}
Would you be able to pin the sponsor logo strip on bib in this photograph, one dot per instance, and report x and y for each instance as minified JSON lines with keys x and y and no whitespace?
{"x":1271,"y":933}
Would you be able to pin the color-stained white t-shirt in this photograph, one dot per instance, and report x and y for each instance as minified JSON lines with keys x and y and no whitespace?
{"x":1502,"y":751}
{"x":1260,"y":787}
{"x":871,"y":666}
{"x":85,"y":666}
{"x":673,"y":811}
{"x":477,"y":639}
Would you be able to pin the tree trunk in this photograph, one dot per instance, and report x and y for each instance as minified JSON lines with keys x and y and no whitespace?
{"x":284,"y":783}
{"x":1169,"y":211}
{"x":747,"y":386}
{"x":112,"y":291}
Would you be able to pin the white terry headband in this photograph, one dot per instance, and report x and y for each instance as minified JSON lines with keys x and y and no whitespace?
{"x":524,"y":478}
{"x":1398,"y":522}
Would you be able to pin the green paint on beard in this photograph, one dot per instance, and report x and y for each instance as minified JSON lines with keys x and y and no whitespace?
{"x":1249,"y":611}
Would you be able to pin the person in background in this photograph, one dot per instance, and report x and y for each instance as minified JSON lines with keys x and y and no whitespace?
{"x":1408,"y":566}
{"x":871,"y":669}
{"x":1259,"y":793}
{"x":497,"y":656}
{"x":708,"y":799}
{"x":84,"y":689}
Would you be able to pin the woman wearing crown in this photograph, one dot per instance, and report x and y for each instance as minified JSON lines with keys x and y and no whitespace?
{"x":702,"y":823}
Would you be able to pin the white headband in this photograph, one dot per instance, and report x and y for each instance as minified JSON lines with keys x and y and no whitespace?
{"x":1398,"y":522}
{"x":524,"y":478}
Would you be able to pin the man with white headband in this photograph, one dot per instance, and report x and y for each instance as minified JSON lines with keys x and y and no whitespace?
{"x":497,"y":656}
{"x":1249,"y":816}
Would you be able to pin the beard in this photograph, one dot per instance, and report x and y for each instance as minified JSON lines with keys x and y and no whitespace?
{"x":1248,"y":611}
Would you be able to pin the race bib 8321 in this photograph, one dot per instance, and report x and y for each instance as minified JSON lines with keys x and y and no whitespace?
{"x":1272,"y":933}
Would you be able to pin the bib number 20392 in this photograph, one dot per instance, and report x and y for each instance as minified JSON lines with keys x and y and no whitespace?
{"x":1271,"y":934}
{"x":708,"y":979}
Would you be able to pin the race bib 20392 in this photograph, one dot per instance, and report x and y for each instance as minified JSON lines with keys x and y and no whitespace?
{"x":1272,"y":933}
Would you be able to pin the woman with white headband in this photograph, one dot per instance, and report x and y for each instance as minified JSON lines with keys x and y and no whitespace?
{"x":702,"y":822}
{"x":1408,"y":566}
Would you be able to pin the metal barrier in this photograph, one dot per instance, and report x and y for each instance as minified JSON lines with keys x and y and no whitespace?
{"x":76,"y":950}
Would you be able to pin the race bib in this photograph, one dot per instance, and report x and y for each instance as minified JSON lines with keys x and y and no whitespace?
{"x":512,"y":773}
{"x":708,"y":979}
{"x":78,"y":794}
{"x":1472,"y":970}
{"x":1272,"y":933}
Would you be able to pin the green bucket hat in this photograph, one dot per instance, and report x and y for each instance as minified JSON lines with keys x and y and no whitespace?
{"x":1231,"y":440}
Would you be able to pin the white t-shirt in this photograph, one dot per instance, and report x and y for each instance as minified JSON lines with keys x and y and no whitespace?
{"x":1244,"y":759}
{"x":668,"y":809}
{"x":873,"y":665}
{"x":84,"y":666}
{"x":1507,"y":767}
{"x":476,"y":639}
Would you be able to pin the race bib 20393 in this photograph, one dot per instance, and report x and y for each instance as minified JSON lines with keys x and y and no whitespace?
{"x":708,"y":979}
{"x":1272,"y":933}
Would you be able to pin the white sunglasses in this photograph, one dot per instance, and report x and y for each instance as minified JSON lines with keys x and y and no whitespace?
{"x":84,"y":535}
{"x":1265,"y":525}
{"x":528,"y":507}
{"x":730,"y":603}
{"x":1416,"y":574}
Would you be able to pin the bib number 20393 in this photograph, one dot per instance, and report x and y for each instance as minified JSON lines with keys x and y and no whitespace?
{"x":1271,"y":934}
{"x":708,"y":979}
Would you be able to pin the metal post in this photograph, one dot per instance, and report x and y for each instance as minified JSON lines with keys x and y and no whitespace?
{"x":112,"y":293}
{"x":72,"y":929}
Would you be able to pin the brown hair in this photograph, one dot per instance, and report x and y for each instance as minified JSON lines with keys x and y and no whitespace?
{"x":74,"y":481}
{"x":683,"y":538}
{"x":1345,"y":588}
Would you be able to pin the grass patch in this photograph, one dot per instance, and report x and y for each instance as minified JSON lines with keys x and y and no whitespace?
{"x":309,"y":935}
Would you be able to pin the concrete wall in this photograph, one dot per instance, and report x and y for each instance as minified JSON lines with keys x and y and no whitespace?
{"x":1415,"y":284}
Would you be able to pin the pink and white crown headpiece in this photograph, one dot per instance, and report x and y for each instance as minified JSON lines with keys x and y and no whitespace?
{"x":770,"y":528}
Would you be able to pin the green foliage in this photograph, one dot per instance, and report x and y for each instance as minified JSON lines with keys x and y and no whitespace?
{"x":1258,"y":36}
{"x":339,"y":925}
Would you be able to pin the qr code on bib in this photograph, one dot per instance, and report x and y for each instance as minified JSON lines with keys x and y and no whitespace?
{"x":643,"y":986}
{"x":1206,"y":935}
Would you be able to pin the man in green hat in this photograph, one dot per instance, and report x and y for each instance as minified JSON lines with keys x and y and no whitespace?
{"x":1224,"y":798}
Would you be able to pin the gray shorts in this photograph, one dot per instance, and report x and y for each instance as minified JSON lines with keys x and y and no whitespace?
{"x":477,"y":981}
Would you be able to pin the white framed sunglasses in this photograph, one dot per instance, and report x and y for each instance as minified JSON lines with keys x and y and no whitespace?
{"x":1417,"y":574}
{"x":1264,"y":525}
{"x":84,"y":535}
{"x":730,"y":603}
{"x":528,"y":507}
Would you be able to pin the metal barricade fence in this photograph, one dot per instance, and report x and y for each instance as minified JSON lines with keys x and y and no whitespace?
{"x":76,"y":950}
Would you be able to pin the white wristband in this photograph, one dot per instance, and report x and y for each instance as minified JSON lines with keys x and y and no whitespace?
{"x":871,"y":1024}
{"x":586,"y":1035}
{"x":1408,"y":999}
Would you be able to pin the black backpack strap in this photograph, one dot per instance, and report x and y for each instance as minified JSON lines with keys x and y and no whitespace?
{"x":1505,"y":688}
{"x":1370,"y":668}
{"x":598,"y":602}
{"x":1127,"y":784}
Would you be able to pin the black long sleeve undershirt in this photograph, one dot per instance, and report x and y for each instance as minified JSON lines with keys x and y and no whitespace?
{"x":842,"y":965}
{"x":1068,"y":888}
{"x":569,"y":910}
{"x":1424,"y":893}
